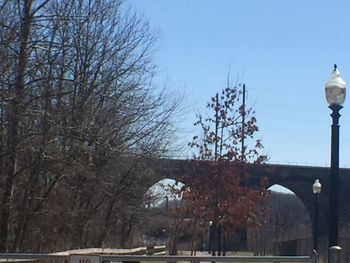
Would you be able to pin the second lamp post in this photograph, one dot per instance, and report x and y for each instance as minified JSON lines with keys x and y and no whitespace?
{"x":335,"y":95}
{"x":316,"y":189}
{"x":210,"y":236}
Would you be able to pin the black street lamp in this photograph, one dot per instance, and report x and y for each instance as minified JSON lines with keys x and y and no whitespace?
{"x":335,"y":95}
{"x":210,"y":236}
{"x":316,"y":188}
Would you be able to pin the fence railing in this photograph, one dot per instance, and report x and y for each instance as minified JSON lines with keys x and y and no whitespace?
{"x":13,"y":257}
{"x":149,"y":250}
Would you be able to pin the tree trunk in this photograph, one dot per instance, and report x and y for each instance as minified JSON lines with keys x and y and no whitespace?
{"x":15,"y":110}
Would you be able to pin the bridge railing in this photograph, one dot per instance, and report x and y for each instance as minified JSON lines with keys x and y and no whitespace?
{"x":13,"y":257}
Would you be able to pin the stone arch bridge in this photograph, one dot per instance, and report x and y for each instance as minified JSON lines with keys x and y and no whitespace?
{"x":298,"y":179}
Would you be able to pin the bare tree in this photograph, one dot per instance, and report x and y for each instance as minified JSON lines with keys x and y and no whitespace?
{"x":79,"y":114}
{"x":21,"y":19}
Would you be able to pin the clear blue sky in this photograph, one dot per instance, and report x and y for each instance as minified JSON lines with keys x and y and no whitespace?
{"x":283,"y":50}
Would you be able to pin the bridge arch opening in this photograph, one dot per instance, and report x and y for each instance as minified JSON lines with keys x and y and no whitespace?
{"x":288,"y":225}
{"x":160,"y":203}
{"x":162,"y":194}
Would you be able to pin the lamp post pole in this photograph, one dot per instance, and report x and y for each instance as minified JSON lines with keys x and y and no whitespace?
{"x":219,"y":239}
{"x":224,"y":245}
{"x":335,"y":94}
{"x":334,"y":177}
{"x":316,"y":188}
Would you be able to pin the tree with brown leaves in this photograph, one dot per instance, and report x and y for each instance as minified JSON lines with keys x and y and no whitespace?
{"x":220,"y":192}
